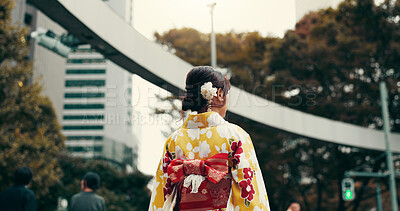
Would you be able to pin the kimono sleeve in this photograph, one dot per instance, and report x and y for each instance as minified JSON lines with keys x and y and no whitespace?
{"x":248,"y":188}
{"x":162,"y":184}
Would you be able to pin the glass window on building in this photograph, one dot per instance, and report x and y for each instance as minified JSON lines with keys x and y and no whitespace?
{"x":86,"y":71}
{"x":85,"y":61}
{"x":83,"y":127}
{"x":83,"y":106}
{"x":81,"y":117}
{"x":82,"y":83}
{"x":98,"y":148}
{"x":28,"y":19}
{"x":84,"y":95}
{"x":95,"y":138}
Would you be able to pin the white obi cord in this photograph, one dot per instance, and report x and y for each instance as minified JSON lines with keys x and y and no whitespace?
{"x":193,"y":180}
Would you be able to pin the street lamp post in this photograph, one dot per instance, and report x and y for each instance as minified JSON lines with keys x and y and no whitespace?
{"x":389,"y":159}
{"x":213,"y":43}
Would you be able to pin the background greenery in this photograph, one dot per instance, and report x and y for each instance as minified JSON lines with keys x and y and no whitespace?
{"x":31,"y":136}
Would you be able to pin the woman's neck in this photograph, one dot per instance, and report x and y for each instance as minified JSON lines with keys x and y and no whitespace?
{"x":214,"y":109}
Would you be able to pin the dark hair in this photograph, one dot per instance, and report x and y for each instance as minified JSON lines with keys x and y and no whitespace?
{"x":195,"y":79}
{"x":23,"y":176}
{"x":294,"y":201}
{"x":92,"y":180}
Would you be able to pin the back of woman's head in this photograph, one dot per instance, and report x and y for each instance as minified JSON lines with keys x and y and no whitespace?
{"x":196,"y":77}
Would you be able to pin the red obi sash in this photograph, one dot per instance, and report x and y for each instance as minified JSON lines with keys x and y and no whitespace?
{"x":213,"y":193}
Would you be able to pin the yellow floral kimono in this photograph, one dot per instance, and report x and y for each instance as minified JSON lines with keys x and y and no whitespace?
{"x":209,"y":164}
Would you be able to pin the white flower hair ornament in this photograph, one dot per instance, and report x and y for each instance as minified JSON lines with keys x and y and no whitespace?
{"x":208,"y":92}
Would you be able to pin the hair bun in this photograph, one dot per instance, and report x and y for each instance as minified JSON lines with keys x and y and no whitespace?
{"x":192,"y":101}
{"x":198,"y":76}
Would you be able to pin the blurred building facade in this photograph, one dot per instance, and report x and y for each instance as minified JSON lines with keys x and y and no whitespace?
{"x":97,"y":108}
{"x":91,"y":95}
{"x":303,"y":7}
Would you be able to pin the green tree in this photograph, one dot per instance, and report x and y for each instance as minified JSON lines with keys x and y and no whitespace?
{"x":342,"y":55}
{"x":186,"y":43}
{"x":29,"y":131}
{"x":121,"y":190}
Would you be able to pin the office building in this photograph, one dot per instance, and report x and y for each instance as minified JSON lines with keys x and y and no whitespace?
{"x":97,"y":108}
{"x":91,"y":95}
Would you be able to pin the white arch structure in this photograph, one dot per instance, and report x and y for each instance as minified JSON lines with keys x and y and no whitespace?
{"x":92,"y":21}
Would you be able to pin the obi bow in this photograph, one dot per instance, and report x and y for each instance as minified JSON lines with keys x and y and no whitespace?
{"x":214,"y":168}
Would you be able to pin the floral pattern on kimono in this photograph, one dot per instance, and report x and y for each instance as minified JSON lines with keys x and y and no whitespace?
{"x":201,"y":137}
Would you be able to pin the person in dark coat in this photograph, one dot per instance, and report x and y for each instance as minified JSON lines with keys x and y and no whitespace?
{"x":87,"y":200}
{"x":18,"y":197}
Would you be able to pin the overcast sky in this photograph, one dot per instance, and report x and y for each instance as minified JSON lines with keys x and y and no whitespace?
{"x":265,"y":16}
{"x":269,"y":17}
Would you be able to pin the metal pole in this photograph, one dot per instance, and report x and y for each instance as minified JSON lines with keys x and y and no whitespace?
{"x":213,"y":42}
{"x":389,"y":160}
{"x":364,"y":174}
{"x":378,"y":196}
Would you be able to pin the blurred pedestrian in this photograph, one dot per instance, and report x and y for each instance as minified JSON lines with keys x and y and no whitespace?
{"x":87,"y":199}
{"x":294,"y":206}
{"x":18,"y":197}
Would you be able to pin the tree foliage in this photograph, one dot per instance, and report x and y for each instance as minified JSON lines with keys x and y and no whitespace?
{"x":342,"y":55}
{"x":330,"y":65}
{"x":29,"y":131}
{"x":31,"y":136}
{"x":121,"y":190}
